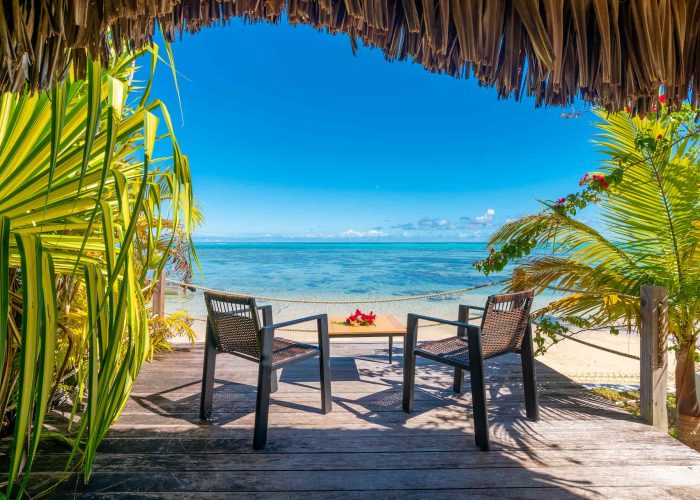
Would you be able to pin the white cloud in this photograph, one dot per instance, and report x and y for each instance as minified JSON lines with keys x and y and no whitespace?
{"x":487,"y":218}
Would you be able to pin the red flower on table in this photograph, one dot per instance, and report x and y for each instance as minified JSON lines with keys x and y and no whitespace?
{"x":361,"y":319}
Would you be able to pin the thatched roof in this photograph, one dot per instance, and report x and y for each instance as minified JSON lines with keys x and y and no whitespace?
{"x":615,"y":53}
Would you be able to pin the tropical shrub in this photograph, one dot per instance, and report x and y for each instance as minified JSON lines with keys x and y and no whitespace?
{"x":646,"y":201}
{"x":88,"y":212}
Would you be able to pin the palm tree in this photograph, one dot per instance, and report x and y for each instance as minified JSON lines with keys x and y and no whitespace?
{"x":88,"y":211}
{"x":646,"y":206}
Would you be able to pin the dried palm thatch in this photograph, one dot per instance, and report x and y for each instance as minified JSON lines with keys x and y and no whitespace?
{"x":615,"y":53}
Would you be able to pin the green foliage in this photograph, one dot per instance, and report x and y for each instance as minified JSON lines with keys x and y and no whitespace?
{"x":89,"y":212}
{"x":629,"y":401}
{"x":647,"y":197}
{"x":162,"y":329}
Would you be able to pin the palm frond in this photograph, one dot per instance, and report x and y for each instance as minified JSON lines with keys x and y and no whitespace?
{"x":76,"y":178}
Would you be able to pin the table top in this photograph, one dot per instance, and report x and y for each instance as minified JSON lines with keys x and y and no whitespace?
{"x":383,"y":325}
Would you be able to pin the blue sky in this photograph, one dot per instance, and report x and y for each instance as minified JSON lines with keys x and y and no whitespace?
{"x":291,"y":136}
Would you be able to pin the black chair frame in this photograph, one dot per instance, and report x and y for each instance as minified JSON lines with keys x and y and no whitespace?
{"x":267,"y":367}
{"x":475,"y":367}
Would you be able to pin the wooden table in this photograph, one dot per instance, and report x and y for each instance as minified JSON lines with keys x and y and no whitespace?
{"x":384,"y":326}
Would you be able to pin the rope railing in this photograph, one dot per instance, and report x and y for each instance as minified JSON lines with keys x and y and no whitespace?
{"x":363,"y":300}
{"x":596,"y":346}
{"x":430,"y":325}
{"x":305,"y":330}
{"x":571,"y":290}
{"x":267,"y":298}
{"x":339,"y":301}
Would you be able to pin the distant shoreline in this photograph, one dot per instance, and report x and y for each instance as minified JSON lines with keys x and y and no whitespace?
{"x":339,"y":242}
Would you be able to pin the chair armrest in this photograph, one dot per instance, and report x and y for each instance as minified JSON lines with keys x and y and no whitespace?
{"x":476,"y":307}
{"x":462,"y":327}
{"x":440,"y":320}
{"x":293,"y":322}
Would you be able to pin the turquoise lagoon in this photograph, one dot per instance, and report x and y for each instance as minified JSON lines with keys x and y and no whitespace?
{"x":343,"y":271}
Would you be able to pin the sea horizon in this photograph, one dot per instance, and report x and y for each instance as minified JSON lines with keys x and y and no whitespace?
{"x":312,"y":241}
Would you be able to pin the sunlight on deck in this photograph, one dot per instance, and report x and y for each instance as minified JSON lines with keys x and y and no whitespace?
{"x":583,"y":446}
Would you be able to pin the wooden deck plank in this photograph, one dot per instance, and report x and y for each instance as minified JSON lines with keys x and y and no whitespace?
{"x":536,"y":493}
{"x":399,"y":480}
{"x":582,"y":447}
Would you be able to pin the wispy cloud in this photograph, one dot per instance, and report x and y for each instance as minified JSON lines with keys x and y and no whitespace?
{"x":444,"y":224}
{"x":372,"y":233}
{"x":427,"y":224}
{"x":464,"y":228}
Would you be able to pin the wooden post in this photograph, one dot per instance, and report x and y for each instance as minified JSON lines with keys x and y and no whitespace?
{"x":653,"y":371}
{"x":159,"y":296}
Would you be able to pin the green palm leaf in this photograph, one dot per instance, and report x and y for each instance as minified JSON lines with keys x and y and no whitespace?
{"x":82,"y":200}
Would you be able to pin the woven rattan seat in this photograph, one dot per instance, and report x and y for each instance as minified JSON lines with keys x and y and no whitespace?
{"x":454,"y":349}
{"x":505,"y":328}
{"x":284,"y":350}
{"x":235,"y":326}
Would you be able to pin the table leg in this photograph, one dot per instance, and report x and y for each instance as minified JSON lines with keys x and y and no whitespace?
{"x":391,"y":347}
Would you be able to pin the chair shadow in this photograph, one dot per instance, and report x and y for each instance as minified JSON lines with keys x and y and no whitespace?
{"x":232,"y":401}
{"x":518,"y":448}
{"x":343,"y":369}
{"x":505,"y":396}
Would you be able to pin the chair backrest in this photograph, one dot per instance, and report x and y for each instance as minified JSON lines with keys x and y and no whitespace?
{"x":505,"y":322}
{"x":235,"y":323}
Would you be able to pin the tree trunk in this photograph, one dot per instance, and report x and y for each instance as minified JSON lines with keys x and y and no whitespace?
{"x":688,"y":416}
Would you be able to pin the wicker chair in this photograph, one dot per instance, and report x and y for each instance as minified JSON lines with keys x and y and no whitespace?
{"x":505,"y":328}
{"x":234,"y":327}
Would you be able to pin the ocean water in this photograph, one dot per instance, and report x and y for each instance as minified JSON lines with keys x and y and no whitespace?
{"x":343,"y":271}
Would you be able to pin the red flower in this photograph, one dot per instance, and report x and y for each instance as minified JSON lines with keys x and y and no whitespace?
{"x":491,"y":261}
{"x":628,"y":109}
{"x":560,"y":201}
{"x":659,"y":136}
{"x":662,"y":98}
{"x":601,"y":180}
{"x":360,"y":318}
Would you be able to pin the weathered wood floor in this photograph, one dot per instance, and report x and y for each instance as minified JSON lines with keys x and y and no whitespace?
{"x":582,"y":447}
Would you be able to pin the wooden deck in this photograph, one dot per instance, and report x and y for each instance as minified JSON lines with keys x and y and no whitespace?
{"x":367,"y":447}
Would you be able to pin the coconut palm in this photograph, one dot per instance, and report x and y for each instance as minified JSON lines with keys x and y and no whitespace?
{"x":646,"y":206}
{"x":79,"y":173}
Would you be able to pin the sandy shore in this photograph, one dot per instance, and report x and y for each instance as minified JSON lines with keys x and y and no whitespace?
{"x":579,"y":362}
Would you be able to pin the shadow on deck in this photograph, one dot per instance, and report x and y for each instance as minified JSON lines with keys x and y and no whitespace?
{"x":583,"y":446}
